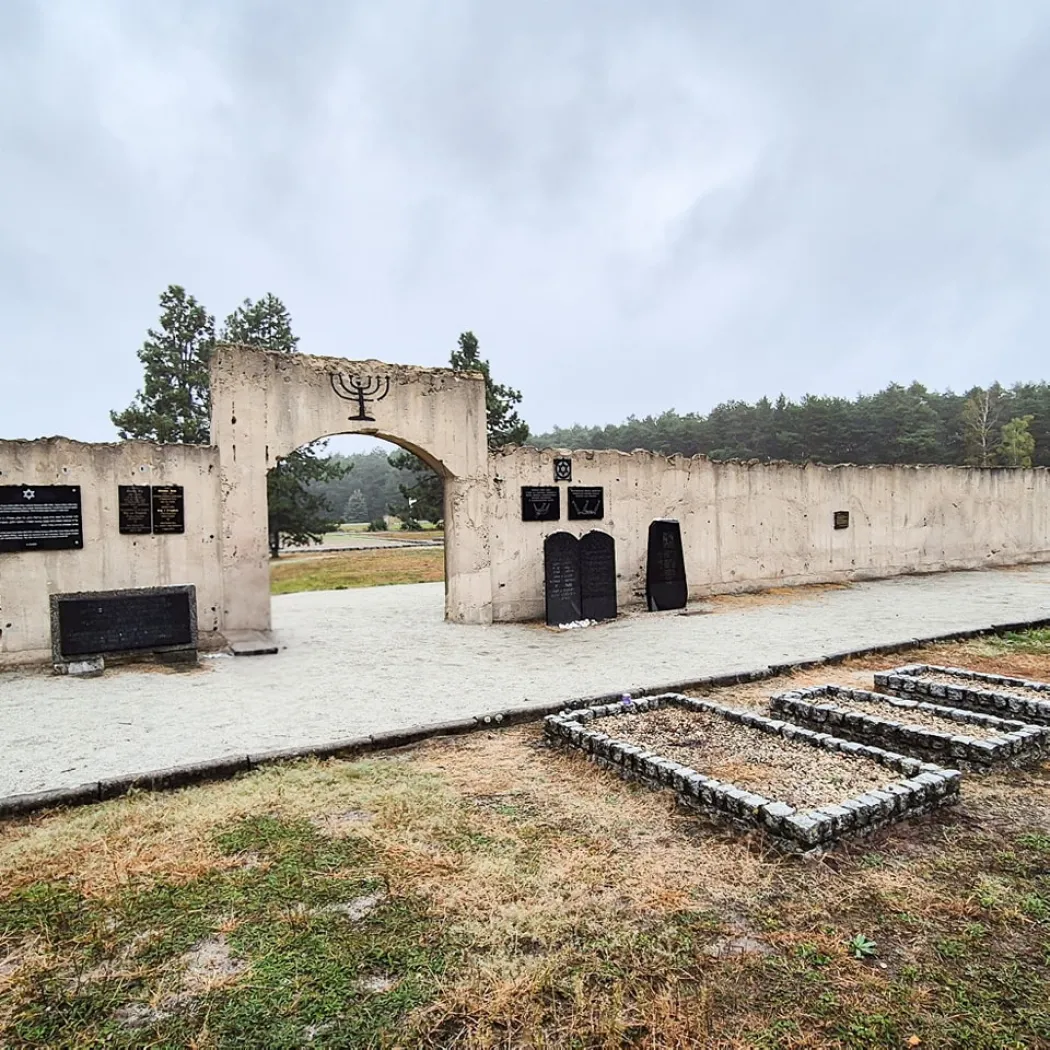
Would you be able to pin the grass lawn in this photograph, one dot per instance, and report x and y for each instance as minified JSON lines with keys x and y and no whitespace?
{"x":484,"y":891}
{"x":337,"y":570}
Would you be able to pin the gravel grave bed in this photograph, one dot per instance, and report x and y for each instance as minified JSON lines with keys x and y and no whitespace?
{"x":982,"y":686}
{"x":891,"y":712}
{"x":798,"y":774}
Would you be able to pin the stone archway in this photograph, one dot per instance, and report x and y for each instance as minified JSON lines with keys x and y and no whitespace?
{"x":265,"y":405}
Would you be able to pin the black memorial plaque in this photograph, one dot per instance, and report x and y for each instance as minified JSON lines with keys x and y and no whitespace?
{"x":540,"y":503}
{"x":134,"y":509}
{"x":587,"y":504}
{"x":562,"y":468}
{"x":665,"y":586}
{"x":841,"y":519}
{"x":561,"y":578}
{"x":40,"y":518}
{"x":158,"y":619}
{"x":169,"y":509}
{"x":598,"y":576}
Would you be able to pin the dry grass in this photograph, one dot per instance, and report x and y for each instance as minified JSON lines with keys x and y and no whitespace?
{"x":569,"y":908}
{"x":338,"y":570}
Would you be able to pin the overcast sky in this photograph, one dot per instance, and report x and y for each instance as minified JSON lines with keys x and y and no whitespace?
{"x":634,"y":205}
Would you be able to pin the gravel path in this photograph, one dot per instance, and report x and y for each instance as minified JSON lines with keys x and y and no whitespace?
{"x":360,"y":661}
{"x":781,"y":770}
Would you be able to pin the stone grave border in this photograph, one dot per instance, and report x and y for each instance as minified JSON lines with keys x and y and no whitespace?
{"x":908,"y":681}
{"x":815,"y":706}
{"x":922,"y":787}
{"x":229,"y":766}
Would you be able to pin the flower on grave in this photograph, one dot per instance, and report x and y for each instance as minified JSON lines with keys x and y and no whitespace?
{"x":626,"y":700}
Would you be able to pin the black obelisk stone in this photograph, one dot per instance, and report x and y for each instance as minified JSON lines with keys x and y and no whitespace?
{"x":665,"y":586}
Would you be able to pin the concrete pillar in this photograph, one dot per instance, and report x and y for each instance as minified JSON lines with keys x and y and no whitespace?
{"x":239,"y":428}
{"x":468,"y":576}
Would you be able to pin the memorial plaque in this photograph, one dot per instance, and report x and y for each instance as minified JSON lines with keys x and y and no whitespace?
{"x":562,"y":468}
{"x":40,"y":518}
{"x":842,"y":519}
{"x":561,"y":578}
{"x":665,"y":586}
{"x":100,"y":623}
{"x":169,"y":509}
{"x":134,"y":509}
{"x":598,"y":576}
{"x":540,"y":503}
{"x":586,"y":504}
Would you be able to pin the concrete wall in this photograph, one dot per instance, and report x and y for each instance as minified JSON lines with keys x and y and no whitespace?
{"x":750,"y":526}
{"x":108,"y":560}
{"x":744,"y":526}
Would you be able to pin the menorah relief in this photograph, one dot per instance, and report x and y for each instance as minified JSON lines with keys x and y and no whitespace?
{"x":362,"y":389}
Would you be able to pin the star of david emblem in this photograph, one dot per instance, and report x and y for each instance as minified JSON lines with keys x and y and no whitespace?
{"x":28,"y":494}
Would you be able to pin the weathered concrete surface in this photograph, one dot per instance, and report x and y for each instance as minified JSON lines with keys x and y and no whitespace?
{"x":747,"y":526}
{"x":266,"y":405}
{"x":365,"y":661}
{"x":108,"y":560}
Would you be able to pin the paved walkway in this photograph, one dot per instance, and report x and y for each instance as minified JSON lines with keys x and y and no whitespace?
{"x":360,"y":661}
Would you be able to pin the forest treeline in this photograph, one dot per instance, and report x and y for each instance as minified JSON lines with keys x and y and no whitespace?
{"x":983,"y":427}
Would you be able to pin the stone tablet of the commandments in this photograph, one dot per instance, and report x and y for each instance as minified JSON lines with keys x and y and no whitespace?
{"x":598,"y":576}
{"x":561,"y":578}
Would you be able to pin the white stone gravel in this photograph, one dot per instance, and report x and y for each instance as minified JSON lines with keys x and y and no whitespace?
{"x":360,"y":661}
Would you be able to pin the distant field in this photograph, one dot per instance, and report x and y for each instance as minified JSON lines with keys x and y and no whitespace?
{"x":347,"y":536}
{"x":339,"y":570}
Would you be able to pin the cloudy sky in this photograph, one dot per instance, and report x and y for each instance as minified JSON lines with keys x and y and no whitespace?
{"x":635,"y":206}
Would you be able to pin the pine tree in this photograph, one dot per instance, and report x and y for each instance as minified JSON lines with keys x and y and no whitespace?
{"x":502,"y":423}
{"x":296,"y":513}
{"x":265,"y":325}
{"x":356,"y":507}
{"x":174,"y":403}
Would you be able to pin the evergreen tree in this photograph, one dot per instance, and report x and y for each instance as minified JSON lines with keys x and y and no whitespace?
{"x":895,"y":425}
{"x":503,"y":425}
{"x":371,"y":473}
{"x":356,"y":507}
{"x":174,"y":403}
{"x":297,"y":512}
{"x":265,"y":325}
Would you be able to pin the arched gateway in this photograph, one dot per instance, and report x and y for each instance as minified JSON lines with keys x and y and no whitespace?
{"x":266,"y":405}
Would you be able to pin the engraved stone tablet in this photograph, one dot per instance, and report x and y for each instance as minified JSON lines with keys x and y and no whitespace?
{"x":665,"y":586}
{"x":561,"y":578}
{"x":169,"y":509}
{"x":102,"y":623}
{"x":586,"y":504}
{"x":598,"y":576}
{"x":40,"y":518}
{"x":134,"y":509}
{"x":562,"y":468}
{"x":540,"y":503}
